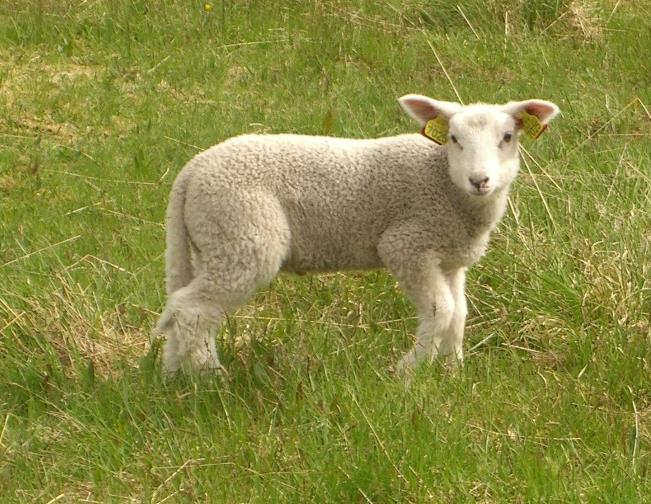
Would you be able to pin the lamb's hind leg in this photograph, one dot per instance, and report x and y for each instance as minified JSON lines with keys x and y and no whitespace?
{"x":190,"y":320}
{"x":195,"y":312}
{"x":231,"y":266}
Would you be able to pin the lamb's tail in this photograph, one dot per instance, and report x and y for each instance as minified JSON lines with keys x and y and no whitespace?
{"x":178,"y":265}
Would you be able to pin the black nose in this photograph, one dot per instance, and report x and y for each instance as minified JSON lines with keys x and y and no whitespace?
{"x":478,"y":181}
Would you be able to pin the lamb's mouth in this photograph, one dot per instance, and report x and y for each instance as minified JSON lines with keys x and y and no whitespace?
{"x":481,"y":191}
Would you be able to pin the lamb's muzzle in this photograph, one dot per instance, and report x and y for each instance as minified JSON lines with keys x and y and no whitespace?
{"x":480,"y":183}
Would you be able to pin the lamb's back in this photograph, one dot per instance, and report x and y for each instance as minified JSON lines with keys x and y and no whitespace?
{"x":335,"y":177}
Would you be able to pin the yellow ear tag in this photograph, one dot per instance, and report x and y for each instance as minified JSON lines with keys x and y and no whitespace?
{"x":437,"y":130}
{"x":531,"y":125}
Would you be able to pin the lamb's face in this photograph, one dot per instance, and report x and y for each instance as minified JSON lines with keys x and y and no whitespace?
{"x":481,"y":139}
{"x":482,"y":150}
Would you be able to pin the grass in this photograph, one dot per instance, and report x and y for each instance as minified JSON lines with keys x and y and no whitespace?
{"x":101,"y":104}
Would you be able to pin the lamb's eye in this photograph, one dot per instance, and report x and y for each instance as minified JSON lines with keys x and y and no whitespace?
{"x":508,"y":136}
{"x":453,"y":138}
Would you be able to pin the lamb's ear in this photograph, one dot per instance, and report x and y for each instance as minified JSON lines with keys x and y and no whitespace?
{"x":532,"y":116}
{"x":433,"y":115}
{"x":423,"y":108}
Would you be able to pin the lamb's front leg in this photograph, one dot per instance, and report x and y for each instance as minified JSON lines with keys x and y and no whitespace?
{"x":452,"y":344}
{"x":435,"y":303}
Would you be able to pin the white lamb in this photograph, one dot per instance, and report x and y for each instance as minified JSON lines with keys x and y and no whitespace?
{"x":255,"y":205}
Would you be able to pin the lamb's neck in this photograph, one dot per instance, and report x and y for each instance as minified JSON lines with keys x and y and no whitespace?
{"x":484,"y":212}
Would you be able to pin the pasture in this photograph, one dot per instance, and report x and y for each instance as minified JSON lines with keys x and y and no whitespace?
{"x":101,"y":104}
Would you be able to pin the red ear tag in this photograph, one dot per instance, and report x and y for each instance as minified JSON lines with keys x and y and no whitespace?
{"x":436,"y":130}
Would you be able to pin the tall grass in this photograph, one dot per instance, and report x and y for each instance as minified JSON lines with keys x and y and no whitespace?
{"x":101,"y":104}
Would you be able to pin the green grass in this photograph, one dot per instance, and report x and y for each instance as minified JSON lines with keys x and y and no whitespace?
{"x":101,"y":104}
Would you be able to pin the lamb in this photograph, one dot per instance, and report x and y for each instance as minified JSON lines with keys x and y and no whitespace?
{"x":254,"y":205}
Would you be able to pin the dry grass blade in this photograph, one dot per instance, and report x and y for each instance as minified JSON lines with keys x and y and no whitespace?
{"x":36,"y":252}
{"x":57,"y":498}
{"x":540,"y":167}
{"x":597,"y":131}
{"x":104,"y":180}
{"x":178,"y":470}
{"x":463,"y":14}
{"x":379,"y":441}
{"x":447,"y":76}
{"x":186,"y":144}
{"x":540,"y":193}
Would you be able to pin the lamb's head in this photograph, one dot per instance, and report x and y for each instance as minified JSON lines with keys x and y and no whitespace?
{"x":481,"y":139}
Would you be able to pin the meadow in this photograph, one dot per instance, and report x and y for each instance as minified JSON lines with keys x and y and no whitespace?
{"x":101,"y":104}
